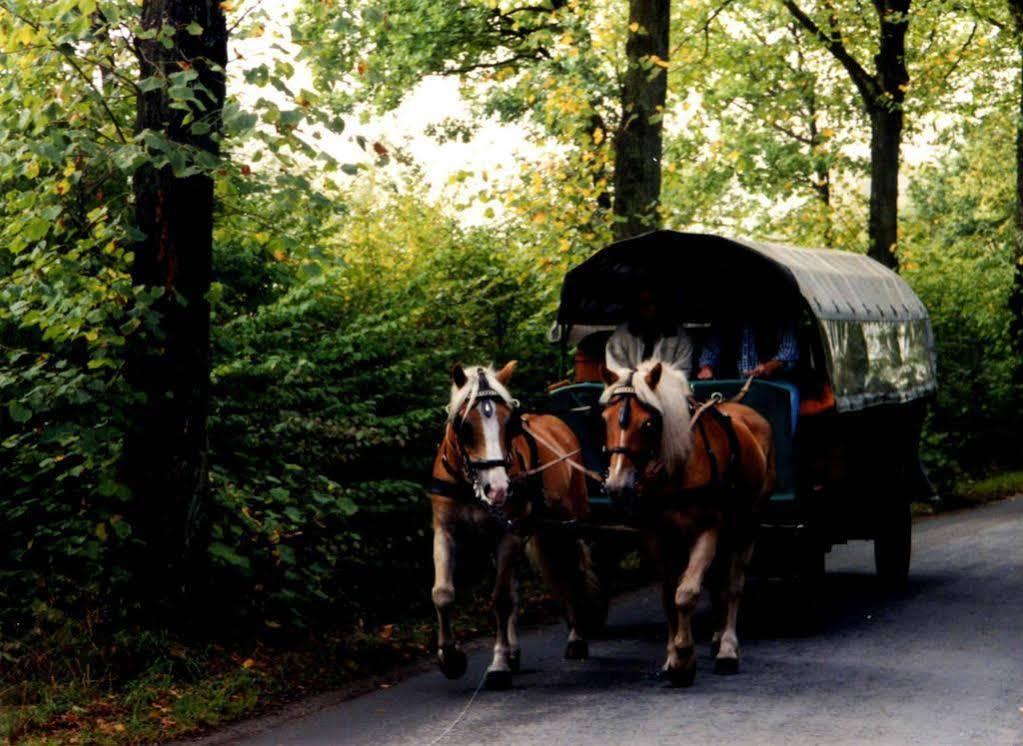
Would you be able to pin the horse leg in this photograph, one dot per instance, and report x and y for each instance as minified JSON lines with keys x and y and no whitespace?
{"x":515,"y":656}
{"x":559,"y":562}
{"x":499,"y":674}
{"x":719,"y":610}
{"x":682,"y":669}
{"x":727,"y":660}
{"x":450,"y":658}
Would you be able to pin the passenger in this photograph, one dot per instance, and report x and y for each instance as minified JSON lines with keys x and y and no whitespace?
{"x":649,"y":333}
{"x":751,"y":359}
{"x":779,"y":337}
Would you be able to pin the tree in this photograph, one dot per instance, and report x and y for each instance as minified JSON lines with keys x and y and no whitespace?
{"x":182,"y":51}
{"x":555,"y":64}
{"x":638,"y":145}
{"x":883,"y":92}
{"x":780,"y":119}
{"x":1016,"y":298}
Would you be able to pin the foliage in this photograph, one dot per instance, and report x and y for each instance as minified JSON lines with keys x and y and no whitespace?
{"x":958,"y":257}
{"x":328,"y":408}
{"x":342,"y":293}
{"x":68,"y":311}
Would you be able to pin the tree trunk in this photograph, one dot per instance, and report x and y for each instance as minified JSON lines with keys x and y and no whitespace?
{"x":883,"y":226}
{"x":883,"y":94}
{"x":637,"y":177}
{"x":165,"y":454}
{"x":1016,"y":297}
{"x":886,"y":116}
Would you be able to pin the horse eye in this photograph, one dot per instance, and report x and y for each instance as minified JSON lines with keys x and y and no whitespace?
{"x":466,"y":431}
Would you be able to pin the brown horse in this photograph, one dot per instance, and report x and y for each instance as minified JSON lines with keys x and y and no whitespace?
{"x":482,"y":482}
{"x":694,"y":484}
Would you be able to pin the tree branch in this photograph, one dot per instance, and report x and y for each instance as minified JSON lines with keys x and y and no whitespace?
{"x":863,"y":81}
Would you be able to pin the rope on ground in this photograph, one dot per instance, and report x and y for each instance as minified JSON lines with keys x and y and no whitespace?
{"x":444,"y":733}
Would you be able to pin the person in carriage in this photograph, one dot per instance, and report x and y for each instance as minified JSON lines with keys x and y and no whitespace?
{"x":650,"y":334}
{"x":752,"y":356}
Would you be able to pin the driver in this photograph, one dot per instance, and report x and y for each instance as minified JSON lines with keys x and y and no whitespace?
{"x":649,"y":333}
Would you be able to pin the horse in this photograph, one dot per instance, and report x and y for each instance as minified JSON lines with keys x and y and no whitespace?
{"x":511,"y":477}
{"x":694,"y":483}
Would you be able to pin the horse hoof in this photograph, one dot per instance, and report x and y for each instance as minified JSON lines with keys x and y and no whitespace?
{"x":498,"y":681}
{"x":452,"y":661}
{"x":577,"y":650}
{"x":726,"y":666}
{"x":515,"y":660}
{"x":681,"y":677}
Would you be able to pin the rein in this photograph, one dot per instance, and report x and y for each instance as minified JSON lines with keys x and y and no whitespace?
{"x":562,"y":457}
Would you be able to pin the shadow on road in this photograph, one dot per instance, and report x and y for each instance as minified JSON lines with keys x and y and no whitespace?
{"x":774,"y":609}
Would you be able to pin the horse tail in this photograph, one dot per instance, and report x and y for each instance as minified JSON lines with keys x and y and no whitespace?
{"x":566,"y":564}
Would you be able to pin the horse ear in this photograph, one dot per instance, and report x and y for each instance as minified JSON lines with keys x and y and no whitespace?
{"x":504,"y":375}
{"x":458,"y":375}
{"x":609,"y":376}
{"x":653,"y":376}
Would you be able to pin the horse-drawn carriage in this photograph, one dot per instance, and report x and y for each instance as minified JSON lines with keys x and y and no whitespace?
{"x":828,"y":455}
{"x":847,"y":464}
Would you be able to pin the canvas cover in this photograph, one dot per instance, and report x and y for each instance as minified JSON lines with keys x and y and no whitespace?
{"x":874,"y":331}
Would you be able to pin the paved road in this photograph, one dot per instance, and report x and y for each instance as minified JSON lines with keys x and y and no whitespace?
{"x":939,"y":664}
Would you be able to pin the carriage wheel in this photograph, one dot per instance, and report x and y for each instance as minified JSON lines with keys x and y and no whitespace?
{"x":893,"y":545}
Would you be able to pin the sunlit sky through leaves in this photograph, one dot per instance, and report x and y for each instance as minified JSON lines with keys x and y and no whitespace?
{"x":450,"y":170}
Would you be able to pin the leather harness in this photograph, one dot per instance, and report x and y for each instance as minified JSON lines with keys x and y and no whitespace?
{"x":462,"y":487}
{"x":722,"y":479}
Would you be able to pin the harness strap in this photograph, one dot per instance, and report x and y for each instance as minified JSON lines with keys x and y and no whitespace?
{"x":561,"y":456}
{"x":453,"y":490}
{"x":733,"y":440}
{"x":712,"y":457}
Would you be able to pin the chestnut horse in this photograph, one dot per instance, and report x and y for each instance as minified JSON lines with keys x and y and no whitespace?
{"x":509,"y":476}
{"x":695,"y":484}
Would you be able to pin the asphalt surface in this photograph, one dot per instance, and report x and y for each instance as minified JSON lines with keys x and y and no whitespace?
{"x":941,"y":663}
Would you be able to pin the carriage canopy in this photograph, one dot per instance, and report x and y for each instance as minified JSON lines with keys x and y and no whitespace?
{"x":873,"y":331}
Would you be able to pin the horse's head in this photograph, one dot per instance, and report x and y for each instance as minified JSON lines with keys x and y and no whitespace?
{"x":633,"y":430}
{"x":484,"y":419}
{"x":646,"y":418}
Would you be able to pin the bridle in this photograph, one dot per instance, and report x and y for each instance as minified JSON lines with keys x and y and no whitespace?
{"x":627,"y":394}
{"x":486,"y":398}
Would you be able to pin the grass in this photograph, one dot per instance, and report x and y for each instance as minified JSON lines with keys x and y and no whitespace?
{"x":990,"y":488}
{"x":186,"y":691}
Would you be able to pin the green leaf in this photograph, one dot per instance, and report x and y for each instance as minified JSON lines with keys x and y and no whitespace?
{"x":19,"y":412}
{"x":151,"y":83}
{"x":35,"y":229}
{"x":194,"y":29}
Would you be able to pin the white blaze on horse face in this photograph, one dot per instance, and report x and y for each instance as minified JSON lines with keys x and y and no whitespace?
{"x":495,"y":478}
{"x":614,"y":475}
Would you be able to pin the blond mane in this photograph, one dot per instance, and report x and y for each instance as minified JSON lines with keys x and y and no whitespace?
{"x":460,"y":397}
{"x":671,"y":398}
